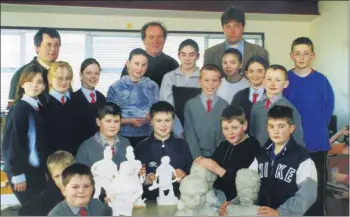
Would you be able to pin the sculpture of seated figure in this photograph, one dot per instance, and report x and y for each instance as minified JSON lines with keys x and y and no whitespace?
{"x":104,"y":171}
{"x":165,"y":173}
{"x":136,"y":164}
{"x":125,"y":190}
{"x":209,"y":177}
{"x":248,"y":186}
{"x":193,"y":197}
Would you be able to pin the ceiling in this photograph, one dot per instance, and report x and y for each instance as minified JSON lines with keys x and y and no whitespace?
{"x":22,"y":8}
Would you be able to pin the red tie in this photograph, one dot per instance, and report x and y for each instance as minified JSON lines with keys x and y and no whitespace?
{"x":268,"y":103}
{"x":63,"y":100}
{"x":255,"y":97}
{"x":209,"y":105}
{"x":112,"y":151}
{"x":83,"y":212}
{"x":92,"y":95}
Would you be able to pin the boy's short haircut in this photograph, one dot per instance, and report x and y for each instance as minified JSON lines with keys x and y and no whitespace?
{"x":302,"y":40}
{"x":233,"y":13}
{"x":59,"y":159}
{"x":189,"y":42}
{"x":76,"y":170}
{"x":256,"y":59}
{"x":281,"y":112}
{"x":233,"y":51}
{"x":108,"y":108}
{"x":162,"y":106}
{"x":210,"y":67}
{"x":233,"y":112}
{"x":279,"y":67}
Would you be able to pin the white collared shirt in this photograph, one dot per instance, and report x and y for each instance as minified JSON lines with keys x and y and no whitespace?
{"x":32,"y":101}
{"x":260,"y":91}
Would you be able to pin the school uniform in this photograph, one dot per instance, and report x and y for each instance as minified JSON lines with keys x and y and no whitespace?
{"x":93,"y":208}
{"x":91,"y":150}
{"x":246,"y":98}
{"x":228,"y":89}
{"x":23,"y":147}
{"x":86,"y":103}
{"x":202,"y":124}
{"x":61,"y":123}
{"x":151,"y":150}
{"x":288,"y":179}
{"x":233,"y":158}
{"x":43,"y":203}
{"x":258,"y":119}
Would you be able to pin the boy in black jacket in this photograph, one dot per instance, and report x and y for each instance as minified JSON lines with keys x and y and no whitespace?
{"x":287,"y":173}
{"x":236,"y":152}
{"x":163,"y":143}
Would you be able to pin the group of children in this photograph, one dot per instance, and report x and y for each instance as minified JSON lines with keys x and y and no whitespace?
{"x":270,"y":127}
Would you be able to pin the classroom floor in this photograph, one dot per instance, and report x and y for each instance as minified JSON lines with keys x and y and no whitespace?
{"x":9,"y":202}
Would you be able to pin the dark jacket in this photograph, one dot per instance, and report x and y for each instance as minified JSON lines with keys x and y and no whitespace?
{"x":151,"y":150}
{"x":288,"y":180}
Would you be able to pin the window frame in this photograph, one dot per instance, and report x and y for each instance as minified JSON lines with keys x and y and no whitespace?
{"x":90,"y":33}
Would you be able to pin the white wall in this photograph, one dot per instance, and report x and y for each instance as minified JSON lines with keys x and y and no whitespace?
{"x":278,"y":35}
{"x":330,"y":34}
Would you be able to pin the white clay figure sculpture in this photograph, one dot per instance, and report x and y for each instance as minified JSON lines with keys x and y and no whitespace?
{"x":164,"y":174}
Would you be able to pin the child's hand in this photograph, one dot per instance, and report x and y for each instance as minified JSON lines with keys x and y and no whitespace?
{"x":223,"y":208}
{"x":20,"y":186}
{"x":209,"y":164}
{"x":142,"y":170}
{"x":136,"y":122}
{"x":345,"y":131}
{"x":267,"y":211}
{"x":150,"y":178}
{"x":180,"y":174}
{"x":148,"y":117}
{"x":107,"y":200}
{"x":198,"y":159}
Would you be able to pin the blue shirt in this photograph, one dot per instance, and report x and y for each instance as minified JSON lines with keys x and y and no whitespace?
{"x":214,"y":99}
{"x":135,"y":101}
{"x":260,"y":92}
{"x":313,"y":97}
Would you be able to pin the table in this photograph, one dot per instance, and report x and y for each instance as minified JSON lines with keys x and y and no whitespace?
{"x":152,"y":209}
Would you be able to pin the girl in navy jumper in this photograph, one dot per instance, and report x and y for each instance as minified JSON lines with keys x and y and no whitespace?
{"x":255,"y":72}
{"x":135,"y":94}
{"x":24,"y":140}
{"x":59,"y":115}
{"x":87,"y":99}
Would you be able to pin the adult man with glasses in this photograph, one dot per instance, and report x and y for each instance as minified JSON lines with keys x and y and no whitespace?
{"x":47,"y":43}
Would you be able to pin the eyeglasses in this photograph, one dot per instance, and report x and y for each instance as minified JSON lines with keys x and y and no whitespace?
{"x":61,"y":79}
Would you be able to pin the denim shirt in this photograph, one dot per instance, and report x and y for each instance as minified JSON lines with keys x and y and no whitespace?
{"x":135,"y":101}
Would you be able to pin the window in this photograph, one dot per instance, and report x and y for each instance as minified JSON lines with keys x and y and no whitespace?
{"x":111,"y":49}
